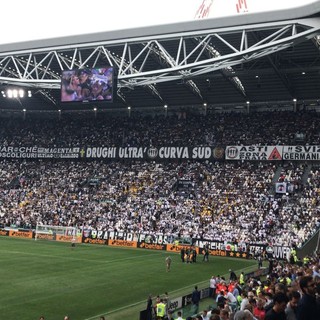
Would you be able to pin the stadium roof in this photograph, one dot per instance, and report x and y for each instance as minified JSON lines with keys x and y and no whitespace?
{"x":262,"y":58}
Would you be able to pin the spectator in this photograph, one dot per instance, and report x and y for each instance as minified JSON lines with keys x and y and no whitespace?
{"x":195,"y":299}
{"x":179,"y":314}
{"x":168,"y":263}
{"x":212,"y":287}
{"x":278,"y":310}
{"x":231,"y":300}
{"x":243,"y":315}
{"x":233,"y":276}
{"x":149,"y":308}
{"x":244,"y":301}
{"x":205,"y":315}
{"x":307,"y":306}
{"x":259,"y":311}
{"x":224,"y":314}
{"x":291,"y":309}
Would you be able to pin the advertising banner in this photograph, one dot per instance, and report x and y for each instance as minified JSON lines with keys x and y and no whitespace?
{"x":215,"y":248}
{"x":178,"y":248}
{"x":64,"y":238}
{"x":21,"y":234}
{"x":144,"y":245}
{"x":45,"y":236}
{"x":4,"y":233}
{"x":160,"y":242}
{"x":94,"y":241}
{"x":122,"y":243}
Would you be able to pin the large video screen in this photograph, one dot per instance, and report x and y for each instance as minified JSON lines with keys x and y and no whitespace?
{"x":87,"y":85}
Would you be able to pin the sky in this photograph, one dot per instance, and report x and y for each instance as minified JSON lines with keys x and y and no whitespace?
{"x":25,"y":20}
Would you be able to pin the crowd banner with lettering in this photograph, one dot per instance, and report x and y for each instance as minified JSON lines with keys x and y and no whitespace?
{"x":143,"y":241}
{"x":138,"y":237}
{"x":271,"y":153}
{"x":154,"y":153}
{"x":301,"y":153}
{"x":250,"y":152}
{"x":161,"y":242}
{"x":243,"y":250}
{"x":24,"y":152}
{"x":99,"y":152}
{"x":220,"y":245}
{"x":254,"y":153}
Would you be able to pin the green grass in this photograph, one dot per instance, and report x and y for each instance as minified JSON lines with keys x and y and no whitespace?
{"x":52,"y":279}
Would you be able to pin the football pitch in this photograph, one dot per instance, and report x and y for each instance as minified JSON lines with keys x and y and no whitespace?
{"x":53,"y":279}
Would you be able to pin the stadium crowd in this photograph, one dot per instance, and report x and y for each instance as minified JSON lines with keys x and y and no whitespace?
{"x":229,"y":201}
{"x":290,"y":291}
{"x":181,"y":128}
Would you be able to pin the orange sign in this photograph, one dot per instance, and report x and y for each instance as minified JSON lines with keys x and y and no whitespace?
{"x":20,"y":234}
{"x":122,"y":243}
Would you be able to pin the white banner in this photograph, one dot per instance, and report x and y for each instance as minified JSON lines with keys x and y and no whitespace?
{"x":175,"y":304}
{"x":271,"y":153}
{"x":39,"y":152}
{"x":254,"y":153}
{"x":301,"y":153}
{"x":281,"y":187}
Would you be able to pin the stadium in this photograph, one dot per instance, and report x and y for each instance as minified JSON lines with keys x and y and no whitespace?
{"x":197,"y":140}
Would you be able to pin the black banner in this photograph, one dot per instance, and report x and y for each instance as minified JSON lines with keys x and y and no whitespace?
{"x":154,"y":153}
{"x":161,"y":242}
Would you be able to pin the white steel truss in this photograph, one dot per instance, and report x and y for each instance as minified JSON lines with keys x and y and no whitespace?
{"x":178,"y":55}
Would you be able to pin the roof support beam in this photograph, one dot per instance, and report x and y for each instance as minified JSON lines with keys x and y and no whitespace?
{"x":132,"y":63}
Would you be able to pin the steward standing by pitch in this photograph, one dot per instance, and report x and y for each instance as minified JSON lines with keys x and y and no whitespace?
{"x":161,"y":310}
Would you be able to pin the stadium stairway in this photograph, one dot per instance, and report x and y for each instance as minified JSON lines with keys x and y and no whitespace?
{"x":305,"y":175}
{"x":275,"y":179}
{"x":277,"y":175}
